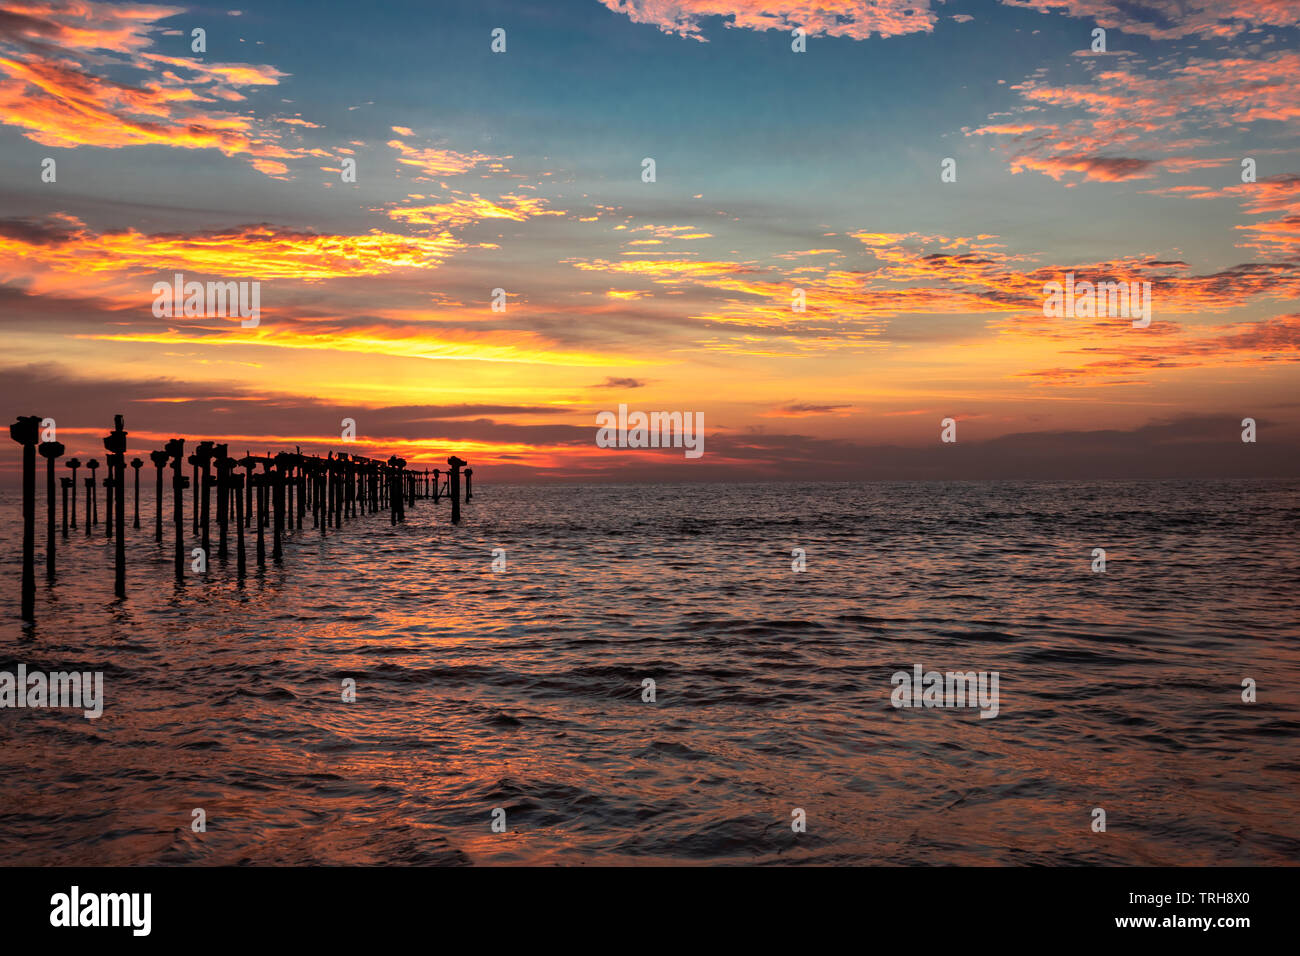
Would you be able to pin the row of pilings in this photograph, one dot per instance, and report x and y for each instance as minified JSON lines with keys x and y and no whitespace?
{"x":267,"y":493}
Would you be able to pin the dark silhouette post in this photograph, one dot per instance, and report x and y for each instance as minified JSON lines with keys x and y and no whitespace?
{"x":92,"y":506}
{"x":260,"y":481}
{"x":469,"y":490}
{"x":338,"y":492}
{"x":27,"y":431}
{"x":354,"y":486}
{"x":90,"y":489}
{"x":288,"y":481}
{"x":74,"y":464}
{"x":159,"y":459}
{"x":194,"y":463}
{"x":277,"y":487}
{"x":224,"y":464}
{"x":396,"y":493}
{"x":455,"y":465}
{"x":237,"y":486}
{"x":360,"y":492}
{"x":249,"y":464}
{"x":67,"y":483}
{"x":341,"y":485}
{"x":51,"y":451}
{"x":204,"y":453}
{"x":137,"y":464}
{"x":315,"y":494}
{"x":108,"y":496}
{"x":300,"y":476}
{"x":320,"y":500}
{"x":175,"y":450}
{"x":116,"y":444}
{"x":262,"y":514}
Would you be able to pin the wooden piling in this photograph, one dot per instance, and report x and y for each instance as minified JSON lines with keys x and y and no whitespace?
{"x":92,"y":505}
{"x":194,"y":465}
{"x":455,"y":465}
{"x":277,"y":505}
{"x":51,"y":451}
{"x":396,"y":495}
{"x":237,"y":485}
{"x":288,"y":493}
{"x":108,"y":497}
{"x":260,"y":481}
{"x":301,"y":478}
{"x":224,"y":464}
{"x":137,"y":464}
{"x":115,"y":443}
{"x":74,"y":464}
{"x":175,"y":450}
{"x":67,"y":483}
{"x":316,"y":497}
{"x":203,"y":453}
{"x":159,"y":459}
{"x":26,"y":431}
{"x":249,"y":464}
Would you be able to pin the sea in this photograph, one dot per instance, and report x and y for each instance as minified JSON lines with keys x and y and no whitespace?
{"x":676,"y":674}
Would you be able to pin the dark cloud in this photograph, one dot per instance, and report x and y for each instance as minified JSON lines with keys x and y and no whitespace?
{"x":612,"y":382}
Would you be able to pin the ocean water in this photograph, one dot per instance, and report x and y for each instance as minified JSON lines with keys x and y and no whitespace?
{"x":522,"y":690}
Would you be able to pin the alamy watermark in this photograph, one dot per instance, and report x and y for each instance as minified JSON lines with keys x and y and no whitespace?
{"x":58,"y":689}
{"x":75,"y":908}
{"x":212,"y":300}
{"x":651,"y":430}
{"x":1083,"y":300}
{"x":951,"y":689}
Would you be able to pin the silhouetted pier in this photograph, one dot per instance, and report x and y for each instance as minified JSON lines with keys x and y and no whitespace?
{"x":336,"y":489}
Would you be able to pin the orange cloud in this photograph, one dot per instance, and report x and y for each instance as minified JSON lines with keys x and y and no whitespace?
{"x":752,"y":313}
{"x":407,"y":341}
{"x":434,"y":162}
{"x":1106,"y":169}
{"x":61,"y":254}
{"x":1132,"y":121}
{"x":1277,"y":237}
{"x":856,"y":19}
{"x":1257,"y":343}
{"x":48,"y":88}
{"x":465,"y":210}
{"x":1175,"y":19}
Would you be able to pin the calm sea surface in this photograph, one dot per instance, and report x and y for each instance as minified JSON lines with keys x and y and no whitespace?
{"x":523,"y":690}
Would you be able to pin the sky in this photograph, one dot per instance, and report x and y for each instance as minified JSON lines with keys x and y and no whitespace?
{"x":774,"y":171}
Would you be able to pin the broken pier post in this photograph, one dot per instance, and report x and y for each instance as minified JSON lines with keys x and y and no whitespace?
{"x":137,"y":464}
{"x":159,"y":459}
{"x":115,"y":443}
{"x":67,"y":483}
{"x":455,"y":465}
{"x":26,"y":431}
{"x":74,"y":464}
{"x":51,"y":452}
{"x":175,"y":450}
{"x":92,"y":503}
